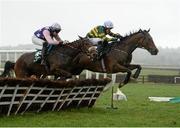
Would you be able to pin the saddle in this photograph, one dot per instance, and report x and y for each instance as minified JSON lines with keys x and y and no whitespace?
{"x":38,"y":53}
{"x":101,"y":50}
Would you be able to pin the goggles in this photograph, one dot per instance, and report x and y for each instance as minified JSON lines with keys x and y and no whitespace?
{"x":57,"y":30}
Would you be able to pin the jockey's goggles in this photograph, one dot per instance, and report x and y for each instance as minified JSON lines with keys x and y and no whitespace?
{"x":57,"y":30}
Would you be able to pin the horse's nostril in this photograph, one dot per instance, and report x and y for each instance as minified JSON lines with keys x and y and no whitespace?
{"x":155,"y":51}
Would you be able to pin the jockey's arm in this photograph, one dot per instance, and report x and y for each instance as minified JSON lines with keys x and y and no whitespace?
{"x":117,"y":35}
{"x":47,"y":36}
{"x":107,"y":39}
{"x":58,"y":38}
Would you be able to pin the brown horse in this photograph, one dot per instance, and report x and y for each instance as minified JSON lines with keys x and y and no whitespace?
{"x":119,"y":57}
{"x":61,"y":61}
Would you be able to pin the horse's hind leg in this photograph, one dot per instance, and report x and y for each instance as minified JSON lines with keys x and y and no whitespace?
{"x":20,"y":71}
{"x":21,"y":74}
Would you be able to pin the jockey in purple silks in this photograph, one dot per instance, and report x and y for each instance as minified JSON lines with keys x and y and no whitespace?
{"x":47,"y":35}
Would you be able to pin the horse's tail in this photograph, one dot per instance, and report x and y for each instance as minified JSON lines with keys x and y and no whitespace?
{"x":9,"y":66}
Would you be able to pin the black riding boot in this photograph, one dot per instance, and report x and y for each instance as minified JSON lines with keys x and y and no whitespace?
{"x":44,"y":54}
{"x":100,"y":51}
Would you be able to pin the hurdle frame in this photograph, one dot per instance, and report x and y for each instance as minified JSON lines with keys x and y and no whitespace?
{"x":21,"y":95}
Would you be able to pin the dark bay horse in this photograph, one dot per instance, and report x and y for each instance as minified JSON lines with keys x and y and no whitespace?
{"x":119,"y":57}
{"x":61,"y":61}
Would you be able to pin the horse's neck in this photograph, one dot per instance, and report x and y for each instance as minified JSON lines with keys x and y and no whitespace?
{"x":76,"y":44}
{"x":66,"y":49}
{"x":130,"y":45}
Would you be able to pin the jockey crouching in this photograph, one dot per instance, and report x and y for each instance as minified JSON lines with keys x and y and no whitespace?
{"x":47,"y":37}
{"x":98,"y":37}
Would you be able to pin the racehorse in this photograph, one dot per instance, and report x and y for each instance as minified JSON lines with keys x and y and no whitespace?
{"x":61,"y":61}
{"x":119,"y":57}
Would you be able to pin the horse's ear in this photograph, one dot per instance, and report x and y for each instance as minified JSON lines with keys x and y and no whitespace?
{"x":148,"y":30}
{"x":80,"y":37}
{"x":140,"y":30}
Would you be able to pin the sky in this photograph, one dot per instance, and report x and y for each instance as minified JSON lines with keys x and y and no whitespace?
{"x":20,"y":18}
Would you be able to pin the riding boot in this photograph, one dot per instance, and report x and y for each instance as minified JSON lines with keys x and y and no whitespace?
{"x":44,"y":54}
{"x":100,"y":51}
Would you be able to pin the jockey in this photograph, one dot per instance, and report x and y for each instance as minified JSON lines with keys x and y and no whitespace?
{"x":98,"y":35}
{"x":45,"y":36}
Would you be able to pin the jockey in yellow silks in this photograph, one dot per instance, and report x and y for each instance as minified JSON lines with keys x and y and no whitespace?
{"x":99,"y":34}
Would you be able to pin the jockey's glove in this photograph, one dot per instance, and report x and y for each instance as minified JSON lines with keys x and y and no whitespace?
{"x":60,"y":43}
{"x":65,"y":42}
{"x":114,"y":39}
{"x":119,"y":36}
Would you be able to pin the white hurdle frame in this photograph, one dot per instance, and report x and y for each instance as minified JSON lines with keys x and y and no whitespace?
{"x":175,"y":79}
{"x":20,"y":98}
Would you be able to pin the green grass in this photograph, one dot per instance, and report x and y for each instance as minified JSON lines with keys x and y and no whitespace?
{"x":145,"y":71}
{"x":137,"y":111}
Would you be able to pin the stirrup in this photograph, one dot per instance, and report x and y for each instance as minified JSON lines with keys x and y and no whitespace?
{"x":43,"y":62}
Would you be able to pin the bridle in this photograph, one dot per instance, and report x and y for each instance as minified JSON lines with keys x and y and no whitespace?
{"x":142,"y":41}
{"x":121,"y":51}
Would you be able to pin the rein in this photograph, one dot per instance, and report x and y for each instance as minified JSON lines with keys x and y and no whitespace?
{"x":121,"y":51}
{"x":79,"y":49}
{"x":127,"y":53}
{"x":72,"y":47}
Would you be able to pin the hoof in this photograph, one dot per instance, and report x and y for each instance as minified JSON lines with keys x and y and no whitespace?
{"x":121,"y":85}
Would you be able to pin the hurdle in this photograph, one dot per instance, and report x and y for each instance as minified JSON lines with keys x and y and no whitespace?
{"x":18,"y":96}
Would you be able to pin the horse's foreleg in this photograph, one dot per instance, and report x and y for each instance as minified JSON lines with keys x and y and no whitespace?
{"x":121,"y":68}
{"x":61,"y":73}
{"x":127,"y":77}
{"x":134,"y":66}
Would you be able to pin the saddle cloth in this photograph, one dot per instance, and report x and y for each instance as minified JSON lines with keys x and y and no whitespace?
{"x":37,"y":56}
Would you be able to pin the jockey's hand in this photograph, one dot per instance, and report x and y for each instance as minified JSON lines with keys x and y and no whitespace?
{"x":60,"y":43}
{"x":118,"y":39}
{"x":114,"y":39}
{"x":65,"y":42}
{"x":119,"y":36}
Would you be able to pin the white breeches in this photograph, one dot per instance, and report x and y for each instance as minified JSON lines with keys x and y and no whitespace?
{"x":37,"y":41}
{"x":95,"y":41}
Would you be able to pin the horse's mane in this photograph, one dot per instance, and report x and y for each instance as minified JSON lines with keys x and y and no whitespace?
{"x":76,"y":42}
{"x":124,"y":38}
{"x":127,"y":35}
{"x":79,"y":45}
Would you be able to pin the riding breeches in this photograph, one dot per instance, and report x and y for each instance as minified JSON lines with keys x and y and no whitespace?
{"x":37,"y":41}
{"x":95,"y":41}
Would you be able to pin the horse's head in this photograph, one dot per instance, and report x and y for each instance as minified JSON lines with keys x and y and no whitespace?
{"x":88,"y":48}
{"x":81,"y":45}
{"x":147,"y":42}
